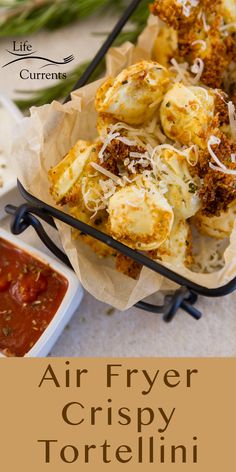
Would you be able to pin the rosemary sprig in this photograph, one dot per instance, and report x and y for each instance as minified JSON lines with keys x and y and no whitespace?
{"x":63,"y":87}
{"x":22,"y":17}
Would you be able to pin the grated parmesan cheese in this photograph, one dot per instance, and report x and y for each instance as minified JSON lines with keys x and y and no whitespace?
{"x":232,"y":119}
{"x":195,"y":149}
{"x":151,"y":139}
{"x":212,"y":141}
{"x":197,"y":68}
{"x":201,"y":42}
{"x":204,"y":21}
{"x":187,"y":6}
{"x":88,"y":198}
{"x":228,"y":26}
{"x":217,"y":92}
{"x":181,"y":69}
{"x":220,"y":167}
{"x":106,"y":172}
{"x":126,"y":141}
{"x":224,"y":171}
{"x":107,"y":141}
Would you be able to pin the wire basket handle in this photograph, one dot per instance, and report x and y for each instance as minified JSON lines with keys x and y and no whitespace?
{"x":24,"y":216}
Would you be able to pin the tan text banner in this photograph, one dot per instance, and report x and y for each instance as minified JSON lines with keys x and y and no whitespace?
{"x":118,"y":414}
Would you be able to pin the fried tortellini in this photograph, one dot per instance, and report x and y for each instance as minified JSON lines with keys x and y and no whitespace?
{"x":135,"y":94}
{"x":66,"y":175}
{"x":218,"y":227}
{"x":140,"y":216}
{"x":186,"y":114}
{"x":165,"y":45}
{"x":205,"y":30}
{"x":228,"y":10}
{"x":177,"y":248}
{"x":182,"y":193}
{"x":144,"y":179}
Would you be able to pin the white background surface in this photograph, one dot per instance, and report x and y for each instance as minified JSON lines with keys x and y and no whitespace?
{"x":92,"y":332}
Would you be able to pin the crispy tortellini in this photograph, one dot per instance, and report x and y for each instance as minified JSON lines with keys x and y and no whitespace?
{"x":135,"y":94}
{"x":176,"y":249}
{"x":142,"y":179}
{"x":186,"y":114}
{"x":228,"y":9}
{"x":140,"y":216}
{"x":218,"y":227}
{"x":66,"y":175}
{"x":182,"y":187}
{"x":205,"y":30}
{"x":165,"y":45}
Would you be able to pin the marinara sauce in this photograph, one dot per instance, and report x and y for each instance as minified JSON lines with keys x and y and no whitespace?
{"x":30,"y":295}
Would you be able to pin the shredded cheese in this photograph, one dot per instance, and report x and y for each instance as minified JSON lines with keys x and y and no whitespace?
{"x":151,"y":139}
{"x":146,"y":136}
{"x":197,"y":68}
{"x":138,"y":154}
{"x":217,"y":92}
{"x":201,"y":42}
{"x":181,"y":69}
{"x":224,"y":171}
{"x":232,"y":119}
{"x":228,"y":26}
{"x":212,"y":141}
{"x":125,"y":140}
{"x":187,"y":6}
{"x":204,"y":21}
{"x":87,"y":198}
{"x":191,"y":162}
{"x":107,"y":141}
{"x":220,"y":167}
{"x":106,"y":172}
{"x":184,"y":152}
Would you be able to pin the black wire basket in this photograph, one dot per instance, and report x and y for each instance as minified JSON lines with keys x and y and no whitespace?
{"x":27,"y":215}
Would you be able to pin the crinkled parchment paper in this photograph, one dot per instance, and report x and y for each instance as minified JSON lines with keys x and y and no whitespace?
{"x":43,"y":140}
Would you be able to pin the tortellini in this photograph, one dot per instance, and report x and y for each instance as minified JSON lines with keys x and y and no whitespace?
{"x":165,"y":45}
{"x":219,"y":227}
{"x":141,"y":179}
{"x":64,"y":176}
{"x":177,"y":248}
{"x":229,"y":11}
{"x":135,"y":94}
{"x":186,"y":113}
{"x":140,"y":216}
{"x":182,"y":188}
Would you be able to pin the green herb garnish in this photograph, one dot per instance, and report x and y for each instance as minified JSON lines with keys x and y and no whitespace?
{"x":192,"y":187}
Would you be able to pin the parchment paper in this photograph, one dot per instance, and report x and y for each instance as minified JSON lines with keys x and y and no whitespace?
{"x":44,"y":138}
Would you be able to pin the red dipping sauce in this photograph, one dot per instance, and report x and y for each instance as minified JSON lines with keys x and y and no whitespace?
{"x":30,"y":294}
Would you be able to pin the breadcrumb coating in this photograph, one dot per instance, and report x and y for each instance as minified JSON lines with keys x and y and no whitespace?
{"x":127,"y":266}
{"x":218,"y":189}
{"x":172,"y":13}
{"x":200,"y":36}
{"x":221,"y":107}
{"x":115,"y":154}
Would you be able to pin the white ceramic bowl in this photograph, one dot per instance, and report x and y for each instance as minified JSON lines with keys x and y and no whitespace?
{"x":10,"y":115}
{"x":69,"y":304}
